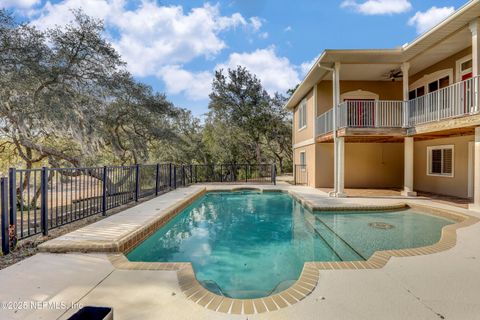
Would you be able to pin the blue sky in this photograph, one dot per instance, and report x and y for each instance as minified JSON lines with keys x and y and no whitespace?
{"x":175,"y":46}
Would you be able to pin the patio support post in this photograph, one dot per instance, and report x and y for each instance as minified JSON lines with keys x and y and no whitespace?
{"x":338,"y":142}
{"x":475,"y":29}
{"x":405,"y":68}
{"x":341,"y":167}
{"x":476,"y":172}
{"x":408,"y":168}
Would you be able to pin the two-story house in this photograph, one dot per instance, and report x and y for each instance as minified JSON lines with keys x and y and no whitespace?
{"x":397,"y":118}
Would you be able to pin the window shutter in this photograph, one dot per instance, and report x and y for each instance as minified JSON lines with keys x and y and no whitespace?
{"x":447,"y":161}
{"x":436,"y":161}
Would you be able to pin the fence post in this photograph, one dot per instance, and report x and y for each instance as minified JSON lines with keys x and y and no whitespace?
{"x":221,"y":173}
{"x":104,"y":191}
{"x":12,"y":186}
{"x":170,"y":175}
{"x":183,"y":176}
{"x":274,"y":173}
{"x":174,"y":176}
{"x":191,"y":174}
{"x":4,"y":214}
{"x":157,"y":174}
{"x":44,"y":201}
{"x":137,"y":181}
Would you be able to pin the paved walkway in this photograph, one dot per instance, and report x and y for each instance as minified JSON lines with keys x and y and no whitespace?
{"x":436,"y":286}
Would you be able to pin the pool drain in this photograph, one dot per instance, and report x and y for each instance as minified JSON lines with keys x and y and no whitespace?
{"x":381,"y":225}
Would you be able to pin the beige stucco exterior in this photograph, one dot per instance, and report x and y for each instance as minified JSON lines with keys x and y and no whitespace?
{"x":456,"y":185}
{"x":367,"y":165}
{"x":378,"y":148}
{"x":310,"y":157}
{"x":306,"y":133}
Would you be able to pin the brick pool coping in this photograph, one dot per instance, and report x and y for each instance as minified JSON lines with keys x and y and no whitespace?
{"x":309,"y":277}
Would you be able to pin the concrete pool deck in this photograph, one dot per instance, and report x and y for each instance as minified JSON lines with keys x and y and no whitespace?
{"x":433,"y":286}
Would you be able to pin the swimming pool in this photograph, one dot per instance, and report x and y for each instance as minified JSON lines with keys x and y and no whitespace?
{"x":249,"y":244}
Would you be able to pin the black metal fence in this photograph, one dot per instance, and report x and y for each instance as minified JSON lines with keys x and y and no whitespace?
{"x":300,"y":174}
{"x":234,"y":173}
{"x":34,"y":201}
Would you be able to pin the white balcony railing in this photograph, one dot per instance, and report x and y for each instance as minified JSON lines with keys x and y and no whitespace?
{"x":458,"y":99}
{"x":370,"y":114}
{"x":325,"y":123}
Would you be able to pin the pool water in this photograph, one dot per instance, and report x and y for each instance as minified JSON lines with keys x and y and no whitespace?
{"x":248,"y":244}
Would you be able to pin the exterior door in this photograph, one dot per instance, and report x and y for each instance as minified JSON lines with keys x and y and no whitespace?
{"x":361,"y":112}
{"x":465,"y":73}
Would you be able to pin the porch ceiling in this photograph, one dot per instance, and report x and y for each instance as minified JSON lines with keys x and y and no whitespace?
{"x":365,"y":72}
{"x":452,"y":44}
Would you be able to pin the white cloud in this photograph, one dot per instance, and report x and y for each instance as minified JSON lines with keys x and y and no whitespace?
{"x":288,"y":28}
{"x":256,"y":23}
{"x":18,"y":4}
{"x":307,"y":65}
{"x":52,"y":14}
{"x":196,"y":86}
{"x":152,"y":36}
{"x":263,"y":35}
{"x":276,"y":73}
{"x":378,"y":7}
{"x":424,"y":21}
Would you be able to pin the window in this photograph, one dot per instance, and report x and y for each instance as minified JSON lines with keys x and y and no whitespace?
{"x":420,"y":91}
{"x":302,"y":160}
{"x":302,"y":115}
{"x":464,"y":68}
{"x":438,"y":84}
{"x":440,"y":161}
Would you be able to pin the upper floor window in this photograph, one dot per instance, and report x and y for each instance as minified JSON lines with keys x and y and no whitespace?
{"x":464,"y":68}
{"x":440,"y":161}
{"x":302,"y":115}
{"x":438,"y":84}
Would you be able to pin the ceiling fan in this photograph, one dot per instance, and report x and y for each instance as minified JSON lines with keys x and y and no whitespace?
{"x":394,"y":74}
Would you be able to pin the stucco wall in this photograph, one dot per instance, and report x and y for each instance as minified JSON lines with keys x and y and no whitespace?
{"x":324,"y":173}
{"x":309,"y":161}
{"x":454,"y":186}
{"x":373,"y":165}
{"x":367,"y":165}
{"x":387,"y":90}
{"x":306,"y":133}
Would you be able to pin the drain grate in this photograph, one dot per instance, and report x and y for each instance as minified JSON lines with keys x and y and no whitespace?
{"x":381,"y":225}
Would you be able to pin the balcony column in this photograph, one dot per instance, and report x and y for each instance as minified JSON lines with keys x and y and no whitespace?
{"x":475,"y":29}
{"x":408,"y":168}
{"x":476,"y":172}
{"x":338,"y":142}
{"x":405,"y":68}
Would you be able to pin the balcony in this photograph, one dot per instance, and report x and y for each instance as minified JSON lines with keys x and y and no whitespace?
{"x":457,"y":100}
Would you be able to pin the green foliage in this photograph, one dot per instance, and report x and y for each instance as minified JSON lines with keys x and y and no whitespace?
{"x":245,"y":123}
{"x":67,"y":100}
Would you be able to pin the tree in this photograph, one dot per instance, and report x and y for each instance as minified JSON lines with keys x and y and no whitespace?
{"x":239,"y":100}
{"x":245,"y":123}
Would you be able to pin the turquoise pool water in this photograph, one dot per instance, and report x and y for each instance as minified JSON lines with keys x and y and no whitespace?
{"x":248,"y":244}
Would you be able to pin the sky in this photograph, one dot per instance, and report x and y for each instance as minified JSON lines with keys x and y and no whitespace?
{"x":176,"y":46}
